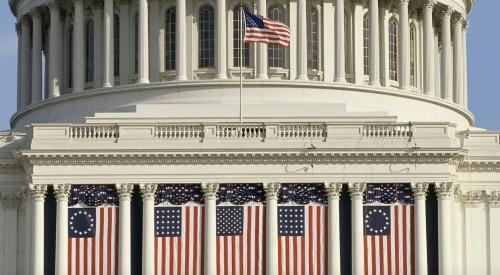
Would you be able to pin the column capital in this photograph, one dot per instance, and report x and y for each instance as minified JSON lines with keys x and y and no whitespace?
{"x":38,"y":191}
{"x":419,"y":189}
{"x":457,"y":18}
{"x":429,"y":4}
{"x":62,"y":191}
{"x":54,"y":5}
{"x":35,"y":12}
{"x":444,"y":190}
{"x":472,"y":198}
{"x":333,"y":189}
{"x":11,"y":200}
{"x":148,"y":190}
{"x":404,"y":2}
{"x":493,"y":198}
{"x":124,"y":190}
{"x":356,"y":189}
{"x":210,"y":190}
{"x":272,"y":189}
{"x":446,"y":11}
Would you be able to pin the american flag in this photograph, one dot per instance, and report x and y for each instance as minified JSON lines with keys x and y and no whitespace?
{"x":179,"y":240}
{"x":93,"y":240}
{"x":264,"y":30}
{"x":240,"y":240}
{"x":389,"y":236}
{"x":302,"y":240}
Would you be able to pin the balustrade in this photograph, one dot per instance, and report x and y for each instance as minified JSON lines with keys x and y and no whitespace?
{"x":94,"y":132}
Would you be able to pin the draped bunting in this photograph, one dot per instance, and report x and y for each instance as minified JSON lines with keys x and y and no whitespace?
{"x":302,"y":193}
{"x":179,"y":194}
{"x":93,"y":195}
{"x":389,"y":193}
{"x":241,"y":193}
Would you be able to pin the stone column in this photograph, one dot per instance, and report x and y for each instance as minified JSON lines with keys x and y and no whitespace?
{"x":464,"y":64}
{"x":444,"y":192}
{"x":272,"y":190}
{"x":447,"y":70}
{"x":458,"y":80}
{"x":419,"y":193}
{"x":328,"y":40}
{"x":124,"y":42}
{"x":148,"y":229}
{"x":221,"y":39}
{"x":19,"y":50}
{"x":55,"y":50}
{"x":25,"y":62}
{"x":154,"y":40}
{"x":180,"y":40}
{"x":143,"y":49}
{"x":261,"y":47}
{"x":404,"y":45}
{"x":78,"y":47}
{"x":358,"y":264}
{"x":374,"y":43}
{"x":125,"y":240}
{"x":340,"y":45}
{"x":108,"y":47}
{"x":210,"y":253}
{"x":429,"y":63}
{"x":333,"y":190}
{"x":37,"y":230}
{"x":98,"y":47}
{"x":10,"y":202}
{"x":62,"y":193}
{"x":302,"y":40}
{"x":36,"y":55}
{"x":357,"y":45}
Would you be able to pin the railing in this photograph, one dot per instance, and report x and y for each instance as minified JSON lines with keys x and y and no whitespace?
{"x":302,"y":131}
{"x":94,"y":132}
{"x":257,"y":131}
{"x":178,"y":132}
{"x":387,"y":130}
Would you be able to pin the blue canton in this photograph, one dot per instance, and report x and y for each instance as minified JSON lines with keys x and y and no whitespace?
{"x":389,"y":193}
{"x":82,"y":222}
{"x":377,"y":220}
{"x":168,"y":221}
{"x":291,"y":220}
{"x":254,"y":21}
{"x":241,"y":193}
{"x":229,"y":220}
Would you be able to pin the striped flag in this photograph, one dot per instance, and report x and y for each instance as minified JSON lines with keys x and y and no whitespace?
{"x":93,"y":241}
{"x":179,"y":240}
{"x":264,"y":30}
{"x":302,"y":240}
{"x":240,"y":240}
{"x":389,"y":240}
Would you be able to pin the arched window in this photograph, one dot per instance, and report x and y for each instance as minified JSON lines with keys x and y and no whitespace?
{"x":70,"y":57}
{"x":116,"y":45}
{"x":312,"y":40}
{"x":276,"y":55}
{"x":89,"y":50}
{"x":366,"y":45}
{"x":393,"y":49}
{"x":136,"y":43}
{"x":237,"y":47}
{"x":206,"y":37}
{"x":413,"y":55}
{"x":170,"y":39}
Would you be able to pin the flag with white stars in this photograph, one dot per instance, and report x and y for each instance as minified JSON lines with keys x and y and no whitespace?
{"x":389,"y":230}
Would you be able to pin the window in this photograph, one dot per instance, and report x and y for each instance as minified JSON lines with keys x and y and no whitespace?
{"x":206,"y":37}
{"x":70,"y":57}
{"x":170,"y":39}
{"x":136,"y":43}
{"x":276,"y":55}
{"x":237,"y":47}
{"x":312,"y":40}
{"x":116,"y":45}
{"x":413,"y":55}
{"x":366,"y":45}
{"x":393,"y":49}
{"x":89,"y":50}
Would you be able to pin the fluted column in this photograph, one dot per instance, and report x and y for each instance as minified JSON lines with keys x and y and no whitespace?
{"x":356,"y":190}
{"x":10,"y":202}
{"x":447,"y":70}
{"x":25,"y":97}
{"x":261,"y":47}
{"x":272,"y":190}
{"x":221,"y":40}
{"x":37,"y":247}
{"x":124,"y":253}
{"x":98,"y":61}
{"x":302,"y":40}
{"x":429,"y":63}
{"x":154,"y":40}
{"x":180,"y":40}
{"x":62,"y":192}
{"x":419,"y":193}
{"x":210,"y":253}
{"x":404,"y":45}
{"x":143,"y":49}
{"x":148,"y":229}
{"x":55,"y":50}
{"x":464,"y":63}
{"x":458,"y":80}
{"x":124,"y":42}
{"x":78,"y":47}
{"x":19,"y":50}
{"x":340,"y":39}
{"x":333,"y":190}
{"x":36,"y":55}
{"x":374,"y":44}
{"x":108,"y":49}
{"x":444,"y":192}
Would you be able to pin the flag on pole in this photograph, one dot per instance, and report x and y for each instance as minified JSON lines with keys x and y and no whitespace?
{"x":264,"y":30}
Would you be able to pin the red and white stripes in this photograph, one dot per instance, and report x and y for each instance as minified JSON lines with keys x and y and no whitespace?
{"x":275,"y":33}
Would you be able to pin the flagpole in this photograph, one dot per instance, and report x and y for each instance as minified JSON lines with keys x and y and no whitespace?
{"x":241,"y":61}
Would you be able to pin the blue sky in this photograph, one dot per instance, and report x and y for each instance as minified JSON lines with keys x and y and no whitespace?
{"x":483,"y":49}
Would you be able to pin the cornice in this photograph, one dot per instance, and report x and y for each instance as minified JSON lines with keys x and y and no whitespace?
{"x":479,"y":166}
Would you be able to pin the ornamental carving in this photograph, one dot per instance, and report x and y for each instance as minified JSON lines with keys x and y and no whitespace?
{"x":444,"y":190}
{"x":210,"y":190}
{"x":272,"y":189}
{"x":11,"y":201}
{"x":38,"y":191}
{"x":333,"y":189}
{"x":419,"y":189}
{"x":124,"y":190}
{"x":148,"y":190}
{"x":472,"y":198}
{"x":494,"y":198}
{"x":356,"y":189}
{"x":62,"y":191}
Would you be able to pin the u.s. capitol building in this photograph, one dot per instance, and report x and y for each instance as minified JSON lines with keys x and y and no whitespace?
{"x":352,"y":151}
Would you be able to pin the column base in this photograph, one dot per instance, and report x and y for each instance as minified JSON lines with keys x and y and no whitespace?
{"x":142,"y":81}
{"x":374,"y":83}
{"x":262,"y":77}
{"x":77,"y":90}
{"x":221,"y":76}
{"x":107,"y":85}
{"x":340,"y":80}
{"x":181,"y":78}
{"x":302,"y":77}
